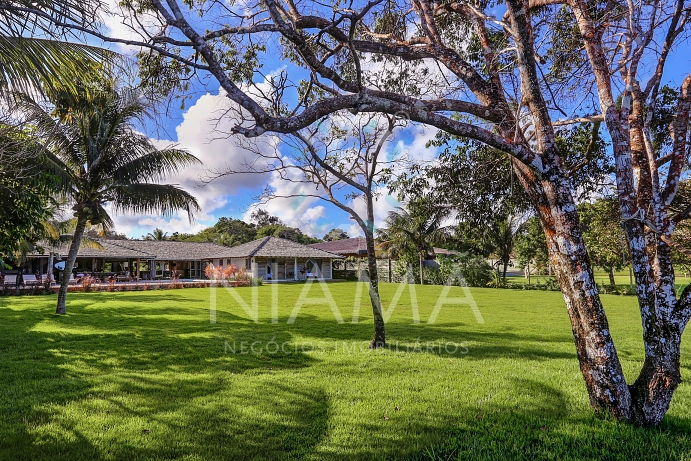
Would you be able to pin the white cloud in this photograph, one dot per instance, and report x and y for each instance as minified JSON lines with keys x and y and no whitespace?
{"x":300,"y":208}
{"x":198,"y":133}
{"x":383,"y":204}
{"x":295,"y":205}
{"x":119,"y":24}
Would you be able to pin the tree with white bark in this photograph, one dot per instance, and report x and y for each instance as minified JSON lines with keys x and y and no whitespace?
{"x":506,"y":81}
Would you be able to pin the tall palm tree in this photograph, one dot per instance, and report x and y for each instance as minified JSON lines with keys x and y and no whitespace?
{"x":412,"y":231}
{"x":101,"y":160}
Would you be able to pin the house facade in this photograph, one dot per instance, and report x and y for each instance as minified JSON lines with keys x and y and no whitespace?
{"x":277,"y":259}
{"x":269,"y":258}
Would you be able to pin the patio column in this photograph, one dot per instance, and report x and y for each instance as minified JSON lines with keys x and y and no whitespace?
{"x":295,"y":269}
{"x":138,"y":261}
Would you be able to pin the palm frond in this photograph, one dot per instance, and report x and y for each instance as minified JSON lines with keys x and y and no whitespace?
{"x":145,"y":198}
{"x":154,"y":165}
{"x":35,"y":65}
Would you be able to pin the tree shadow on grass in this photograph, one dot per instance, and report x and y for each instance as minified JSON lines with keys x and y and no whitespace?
{"x":162,"y":388}
{"x":542,"y":426}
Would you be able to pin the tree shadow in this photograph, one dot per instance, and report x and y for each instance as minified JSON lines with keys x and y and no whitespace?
{"x":158,"y":385}
{"x":541,"y":426}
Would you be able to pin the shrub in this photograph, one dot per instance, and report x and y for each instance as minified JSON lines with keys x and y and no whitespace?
{"x":476,"y":270}
{"x":87,"y":282}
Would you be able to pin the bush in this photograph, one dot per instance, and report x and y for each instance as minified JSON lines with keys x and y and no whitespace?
{"x":476,"y":271}
{"x":87,"y":282}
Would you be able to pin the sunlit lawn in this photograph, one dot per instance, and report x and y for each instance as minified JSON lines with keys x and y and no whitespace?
{"x":146,"y":375}
{"x":602,"y":277}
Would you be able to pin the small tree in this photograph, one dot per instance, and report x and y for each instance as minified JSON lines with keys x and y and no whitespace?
{"x":500,"y":236}
{"x":262,"y":218}
{"x":339,"y":160}
{"x":603,"y":234}
{"x":336,"y":234}
{"x":531,"y":246}
{"x":157,"y":234}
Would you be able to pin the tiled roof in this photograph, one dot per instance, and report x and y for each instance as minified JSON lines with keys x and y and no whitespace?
{"x":143,"y":249}
{"x":275,"y":247}
{"x":444,"y":251}
{"x":99,"y":249}
{"x":173,"y":250}
{"x":351,"y":247}
{"x":189,"y":251}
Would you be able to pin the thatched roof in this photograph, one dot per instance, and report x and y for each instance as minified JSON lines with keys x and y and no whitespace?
{"x":275,"y":247}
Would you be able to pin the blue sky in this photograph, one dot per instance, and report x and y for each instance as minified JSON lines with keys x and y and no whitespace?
{"x":196,"y":128}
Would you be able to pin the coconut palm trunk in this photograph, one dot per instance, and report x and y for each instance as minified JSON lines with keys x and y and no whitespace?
{"x":69,"y":264}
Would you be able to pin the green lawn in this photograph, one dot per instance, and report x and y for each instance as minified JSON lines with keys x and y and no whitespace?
{"x":145,"y":375}
{"x":601,"y":277}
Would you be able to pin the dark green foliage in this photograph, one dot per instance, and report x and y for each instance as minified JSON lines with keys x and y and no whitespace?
{"x":262,"y":218}
{"x":466,"y":269}
{"x":25,"y":203}
{"x":531,"y":245}
{"x":232,"y":232}
{"x":285,"y":232}
{"x":470,"y":180}
{"x":602,"y":233}
{"x":335,"y":234}
{"x":410,"y":233}
{"x":26,"y":192}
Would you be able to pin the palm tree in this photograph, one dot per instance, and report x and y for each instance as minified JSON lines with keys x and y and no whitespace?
{"x":500,"y":236}
{"x":412,"y":231}
{"x":157,"y":235}
{"x":101,"y":160}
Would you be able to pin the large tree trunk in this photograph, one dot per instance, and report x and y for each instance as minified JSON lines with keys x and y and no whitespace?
{"x":611,"y":277}
{"x":663,"y":325}
{"x":69,"y":264}
{"x":506,"y":265}
{"x":597,"y":356}
{"x":647,"y":400}
{"x":644,"y":204}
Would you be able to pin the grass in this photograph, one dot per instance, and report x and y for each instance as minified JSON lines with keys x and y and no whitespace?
{"x":621,"y":278}
{"x":146,"y":376}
